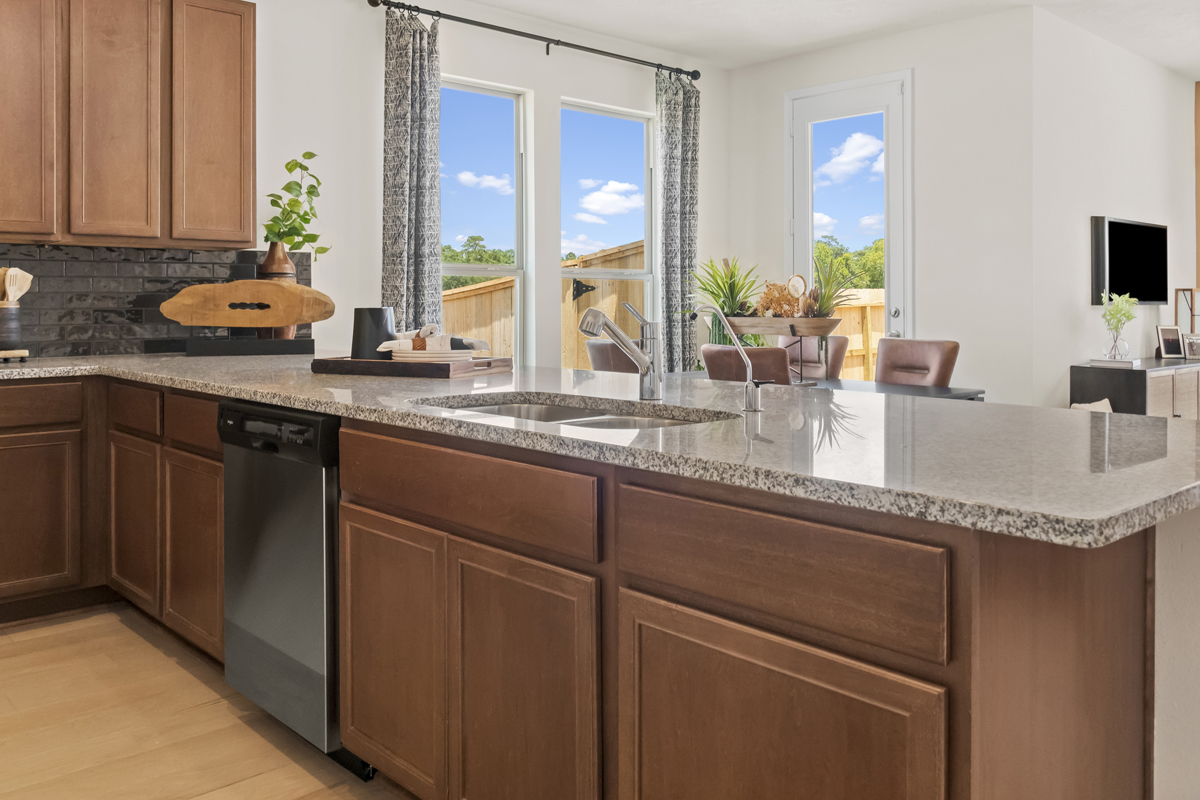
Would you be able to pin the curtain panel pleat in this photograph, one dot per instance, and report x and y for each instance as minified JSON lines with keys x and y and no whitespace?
{"x":412,"y":214}
{"x":678,"y":170}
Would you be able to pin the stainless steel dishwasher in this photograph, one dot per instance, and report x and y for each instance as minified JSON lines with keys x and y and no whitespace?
{"x":281,"y":497}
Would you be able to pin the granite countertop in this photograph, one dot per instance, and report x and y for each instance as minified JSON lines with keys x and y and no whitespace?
{"x":1069,"y":477}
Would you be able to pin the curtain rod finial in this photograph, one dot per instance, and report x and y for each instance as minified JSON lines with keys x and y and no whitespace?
{"x":694,"y":74}
{"x":375,"y":3}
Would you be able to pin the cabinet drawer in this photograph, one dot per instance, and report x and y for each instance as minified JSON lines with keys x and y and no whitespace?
{"x":535,"y":505}
{"x":136,"y":408}
{"x":873,"y":589}
{"x":40,"y":404}
{"x":1160,"y":394}
{"x":192,"y":421}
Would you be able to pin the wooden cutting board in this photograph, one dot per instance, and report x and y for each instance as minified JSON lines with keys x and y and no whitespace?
{"x":248,"y":304}
{"x":410,"y":369}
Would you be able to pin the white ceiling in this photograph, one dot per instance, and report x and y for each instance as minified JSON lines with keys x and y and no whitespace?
{"x":734,"y":33}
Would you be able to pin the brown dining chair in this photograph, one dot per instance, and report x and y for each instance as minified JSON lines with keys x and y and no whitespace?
{"x":725,"y":364}
{"x":605,"y":356}
{"x":915,"y":362}
{"x":808,"y":364}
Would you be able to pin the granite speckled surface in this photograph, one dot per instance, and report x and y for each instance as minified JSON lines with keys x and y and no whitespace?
{"x":1068,"y":477}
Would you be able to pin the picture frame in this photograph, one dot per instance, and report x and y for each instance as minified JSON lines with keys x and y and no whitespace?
{"x":1170,"y":341}
{"x":1191,"y":346}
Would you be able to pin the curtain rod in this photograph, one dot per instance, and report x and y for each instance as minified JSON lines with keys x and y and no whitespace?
{"x":694,"y":74}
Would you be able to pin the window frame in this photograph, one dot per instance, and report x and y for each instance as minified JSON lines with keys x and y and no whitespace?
{"x":522,"y":216}
{"x":646,"y":275}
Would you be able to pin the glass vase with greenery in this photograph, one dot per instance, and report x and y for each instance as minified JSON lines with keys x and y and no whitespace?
{"x":1118,"y":312}
{"x":290,"y":223}
{"x":731,"y":289}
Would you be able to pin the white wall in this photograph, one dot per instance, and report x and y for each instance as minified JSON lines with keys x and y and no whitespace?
{"x":1024,"y":127}
{"x":1113,"y":136}
{"x":337,"y":46}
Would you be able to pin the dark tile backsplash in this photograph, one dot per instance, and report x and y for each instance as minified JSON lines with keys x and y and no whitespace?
{"x":104,"y":300}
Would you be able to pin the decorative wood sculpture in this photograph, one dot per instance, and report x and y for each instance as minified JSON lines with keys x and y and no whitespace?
{"x":248,"y":304}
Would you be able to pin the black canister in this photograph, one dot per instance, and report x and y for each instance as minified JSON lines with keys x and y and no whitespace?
{"x":10,"y":328}
{"x":372,"y":327}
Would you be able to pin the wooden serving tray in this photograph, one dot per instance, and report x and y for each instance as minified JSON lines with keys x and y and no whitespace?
{"x":785,"y":326}
{"x":409,"y":369}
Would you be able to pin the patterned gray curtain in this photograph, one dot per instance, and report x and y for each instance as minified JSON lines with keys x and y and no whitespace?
{"x":678,"y":170}
{"x":412,"y":212}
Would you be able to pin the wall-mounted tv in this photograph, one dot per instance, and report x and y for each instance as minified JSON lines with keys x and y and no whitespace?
{"x":1129,"y":258}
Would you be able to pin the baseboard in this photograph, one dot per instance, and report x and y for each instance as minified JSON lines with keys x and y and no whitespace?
{"x":22,"y":611}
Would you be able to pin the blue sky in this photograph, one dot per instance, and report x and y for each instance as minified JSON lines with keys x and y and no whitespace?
{"x":603,"y":168}
{"x":848,"y":185}
{"x":478,"y":166}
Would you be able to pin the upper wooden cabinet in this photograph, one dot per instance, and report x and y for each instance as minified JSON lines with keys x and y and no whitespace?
{"x":28,"y":121}
{"x":158,"y":131}
{"x":213,"y":178}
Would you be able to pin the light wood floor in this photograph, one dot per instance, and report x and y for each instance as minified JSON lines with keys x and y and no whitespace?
{"x":107,"y":705}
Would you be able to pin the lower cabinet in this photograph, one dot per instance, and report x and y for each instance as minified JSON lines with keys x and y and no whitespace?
{"x":712,"y":708}
{"x":41,"y":528}
{"x":135,"y":557}
{"x":467,"y":671}
{"x":194,"y":537}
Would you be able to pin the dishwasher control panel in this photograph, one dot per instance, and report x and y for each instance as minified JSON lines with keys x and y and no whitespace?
{"x":299,"y":435}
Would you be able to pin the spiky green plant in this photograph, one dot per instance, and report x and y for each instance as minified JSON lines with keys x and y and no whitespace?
{"x":831,"y":287}
{"x":731,"y":289}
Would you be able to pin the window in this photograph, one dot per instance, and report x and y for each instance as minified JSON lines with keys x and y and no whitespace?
{"x":604,"y":219}
{"x":848,"y":174}
{"x":481,"y":189}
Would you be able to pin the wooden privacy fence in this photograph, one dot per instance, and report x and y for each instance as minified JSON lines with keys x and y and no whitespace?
{"x":483,"y":311}
{"x":863,"y":321}
{"x":607,"y":294}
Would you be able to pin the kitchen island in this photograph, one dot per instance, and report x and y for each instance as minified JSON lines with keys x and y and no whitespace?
{"x":846,"y":595}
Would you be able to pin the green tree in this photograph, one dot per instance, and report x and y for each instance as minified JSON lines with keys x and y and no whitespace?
{"x":475,"y":251}
{"x":867,"y":262}
{"x":570,"y":257}
{"x":458,"y":281}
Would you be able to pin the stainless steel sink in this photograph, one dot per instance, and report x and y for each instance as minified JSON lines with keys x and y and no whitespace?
{"x":578,"y":417}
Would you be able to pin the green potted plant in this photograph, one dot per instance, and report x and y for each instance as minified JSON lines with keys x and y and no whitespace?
{"x":288,"y":230}
{"x":731,"y":289}
{"x":1118,"y":312}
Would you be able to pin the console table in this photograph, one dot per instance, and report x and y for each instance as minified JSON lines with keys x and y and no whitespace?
{"x":1160,"y":387}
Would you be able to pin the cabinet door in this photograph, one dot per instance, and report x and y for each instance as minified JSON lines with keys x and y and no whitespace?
{"x":194,"y":545}
{"x":393,"y":648}
{"x":1160,"y":394}
{"x":28,"y":119}
{"x":39,"y":532}
{"x":523,"y":678}
{"x":116,"y":117}
{"x":212,"y":181}
{"x":1187,"y":384}
{"x":135,"y":467}
{"x":710,"y":708}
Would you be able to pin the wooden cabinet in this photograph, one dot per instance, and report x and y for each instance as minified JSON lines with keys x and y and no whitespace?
{"x":212,"y":183}
{"x":158,"y":131}
{"x":1160,"y":394}
{"x":29,"y":92}
{"x":393,"y":648}
{"x":41,"y":530}
{"x":116,"y":113}
{"x":135,"y":509}
{"x":523,"y":678}
{"x":710,"y":708}
{"x":194,"y":549}
{"x":1187,"y":392}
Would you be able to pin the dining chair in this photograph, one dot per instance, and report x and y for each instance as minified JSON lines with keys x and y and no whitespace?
{"x":605,"y":356}
{"x":724,"y":363}
{"x":915,"y":362}
{"x":806,"y":362}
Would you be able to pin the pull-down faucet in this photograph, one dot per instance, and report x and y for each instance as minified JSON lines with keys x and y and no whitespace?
{"x":753,"y":391}
{"x":647,"y":358}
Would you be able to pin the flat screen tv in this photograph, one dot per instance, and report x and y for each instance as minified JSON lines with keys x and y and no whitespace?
{"x":1129,"y":258}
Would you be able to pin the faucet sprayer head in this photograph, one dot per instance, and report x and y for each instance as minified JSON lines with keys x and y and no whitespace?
{"x":591,"y":324}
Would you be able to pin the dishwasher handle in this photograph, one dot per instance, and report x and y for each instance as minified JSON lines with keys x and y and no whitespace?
{"x":302,"y":436}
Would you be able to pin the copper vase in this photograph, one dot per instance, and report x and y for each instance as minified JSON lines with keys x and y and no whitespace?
{"x":277,"y":266}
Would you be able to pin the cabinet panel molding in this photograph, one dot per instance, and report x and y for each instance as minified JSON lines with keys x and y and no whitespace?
{"x":29,"y":53}
{"x":711,"y":708}
{"x":523,"y":677}
{"x":40,"y":542}
{"x":116,"y":117}
{"x":212,"y":178}
{"x":194,"y":549}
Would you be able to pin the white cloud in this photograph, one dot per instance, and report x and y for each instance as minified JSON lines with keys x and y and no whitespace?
{"x":616,"y":187}
{"x":592,"y":218}
{"x":614,"y":197}
{"x":849,"y":158}
{"x":871,"y":222}
{"x":589,"y":183}
{"x":503,"y":184}
{"x":580,"y":245}
{"x":877,"y":167}
{"x":822,"y":224}
{"x":462,"y":237}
